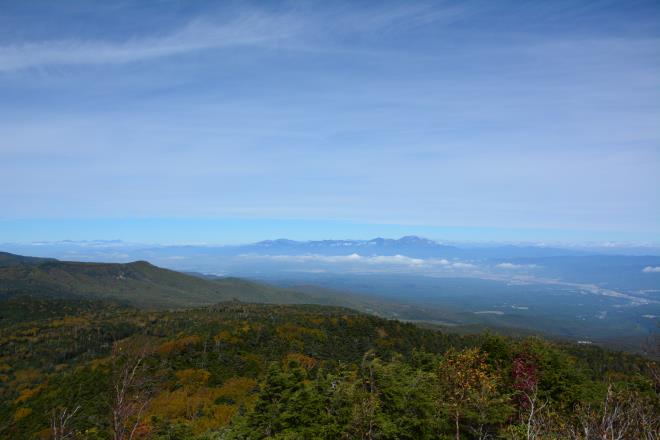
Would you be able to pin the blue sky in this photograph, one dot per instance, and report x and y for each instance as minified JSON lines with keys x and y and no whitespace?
{"x":514,"y":120}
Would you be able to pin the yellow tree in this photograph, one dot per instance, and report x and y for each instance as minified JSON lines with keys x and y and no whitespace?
{"x":466,"y":387}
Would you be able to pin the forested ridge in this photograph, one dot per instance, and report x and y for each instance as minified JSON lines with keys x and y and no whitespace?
{"x":73,"y":368}
{"x":138,"y":283}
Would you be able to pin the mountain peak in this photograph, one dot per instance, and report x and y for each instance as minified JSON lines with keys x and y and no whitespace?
{"x":413,"y":239}
{"x":276,"y":242}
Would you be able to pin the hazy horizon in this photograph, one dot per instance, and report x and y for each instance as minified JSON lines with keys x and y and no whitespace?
{"x":245,"y":231}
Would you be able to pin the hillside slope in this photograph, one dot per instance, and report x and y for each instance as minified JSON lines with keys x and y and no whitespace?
{"x":7,"y":259}
{"x":138,"y":283}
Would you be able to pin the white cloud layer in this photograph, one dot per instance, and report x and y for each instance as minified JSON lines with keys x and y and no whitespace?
{"x":514,"y":266}
{"x":372,"y":260}
{"x":651,"y":269}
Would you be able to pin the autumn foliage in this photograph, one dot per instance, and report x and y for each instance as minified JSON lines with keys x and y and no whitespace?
{"x":240,"y":371}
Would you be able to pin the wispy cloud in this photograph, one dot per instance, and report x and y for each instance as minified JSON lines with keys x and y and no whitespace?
{"x":253,"y":29}
{"x":519,"y":104}
{"x":651,"y":269}
{"x":249,"y":28}
{"x":403,"y":16}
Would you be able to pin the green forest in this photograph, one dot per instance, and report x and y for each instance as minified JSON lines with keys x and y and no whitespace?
{"x":74,"y":368}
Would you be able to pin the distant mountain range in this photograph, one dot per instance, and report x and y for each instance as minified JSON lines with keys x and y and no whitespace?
{"x":410,"y":254}
{"x":411,"y":246}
